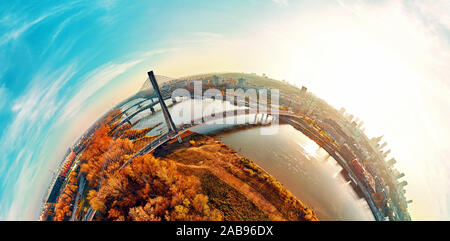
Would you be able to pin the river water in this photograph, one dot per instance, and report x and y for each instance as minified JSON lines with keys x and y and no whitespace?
{"x":292,"y":158}
{"x":303,"y":168}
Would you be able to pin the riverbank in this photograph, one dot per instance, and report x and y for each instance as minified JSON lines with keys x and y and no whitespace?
{"x":219,"y":167}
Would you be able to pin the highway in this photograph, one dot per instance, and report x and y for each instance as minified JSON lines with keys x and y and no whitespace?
{"x":82,"y":185}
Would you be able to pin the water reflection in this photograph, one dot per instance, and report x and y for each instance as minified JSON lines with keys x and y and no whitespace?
{"x":303,"y":168}
{"x":292,"y":158}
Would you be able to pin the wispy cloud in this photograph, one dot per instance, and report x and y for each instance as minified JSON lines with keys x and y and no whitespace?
{"x":93,"y":82}
{"x":435,"y":11}
{"x":107,"y":4}
{"x":27,"y":23}
{"x":39,"y":102}
{"x":32,"y":113}
{"x":282,"y":2}
{"x":158,"y":51}
{"x":38,"y":111}
{"x":209,"y":35}
{"x":109,"y":17}
{"x":99,"y":78}
{"x":15,"y":33}
{"x":66,"y":22}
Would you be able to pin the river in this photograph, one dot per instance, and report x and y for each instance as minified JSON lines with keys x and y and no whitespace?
{"x":292,"y":158}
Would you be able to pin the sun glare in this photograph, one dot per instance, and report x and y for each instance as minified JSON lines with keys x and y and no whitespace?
{"x":310,"y":148}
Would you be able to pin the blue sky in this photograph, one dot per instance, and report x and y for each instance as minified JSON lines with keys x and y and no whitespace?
{"x":63,"y":64}
{"x":59,"y":58}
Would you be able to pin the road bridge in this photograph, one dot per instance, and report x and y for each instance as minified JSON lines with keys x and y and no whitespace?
{"x":167,"y":136}
{"x":259,"y":109}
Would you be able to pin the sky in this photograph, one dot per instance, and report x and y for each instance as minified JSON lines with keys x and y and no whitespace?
{"x":65,"y":63}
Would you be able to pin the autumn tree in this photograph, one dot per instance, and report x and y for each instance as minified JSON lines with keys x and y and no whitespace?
{"x":151,"y":189}
{"x":135,"y":134}
{"x":62,"y":207}
{"x":148,"y":189}
{"x":91,"y":159}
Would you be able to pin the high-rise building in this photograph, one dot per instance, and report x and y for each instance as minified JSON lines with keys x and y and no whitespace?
{"x":399,"y":175}
{"x":360,"y":124}
{"x":215,"y":80}
{"x":402,"y":184}
{"x":375,"y":140}
{"x":350,"y":118}
{"x":241,"y":82}
{"x":391,"y":162}
{"x":303,"y":91}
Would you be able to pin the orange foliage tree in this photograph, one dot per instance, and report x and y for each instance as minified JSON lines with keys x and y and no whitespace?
{"x":135,"y":134}
{"x":62,"y":207}
{"x":147,"y":189}
{"x":151,"y":189}
{"x":91,"y":159}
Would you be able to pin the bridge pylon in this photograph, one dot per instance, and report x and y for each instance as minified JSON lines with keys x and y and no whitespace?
{"x":170,"y":124}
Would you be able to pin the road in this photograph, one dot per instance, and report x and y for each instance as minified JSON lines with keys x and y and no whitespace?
{"x":167,"y":136}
